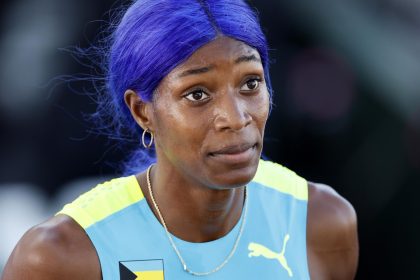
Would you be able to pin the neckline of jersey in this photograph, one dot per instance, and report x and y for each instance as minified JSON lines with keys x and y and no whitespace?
{"x":226,"y":239}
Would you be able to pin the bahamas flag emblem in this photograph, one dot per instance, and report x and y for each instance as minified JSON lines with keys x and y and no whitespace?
{"x":142,"y":270}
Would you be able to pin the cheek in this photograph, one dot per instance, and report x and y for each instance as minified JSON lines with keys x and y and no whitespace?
{"x":177,"y":129}
{"x":260,"y":110}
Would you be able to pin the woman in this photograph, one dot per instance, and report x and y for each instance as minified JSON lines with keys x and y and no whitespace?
{"x":194,"y":76}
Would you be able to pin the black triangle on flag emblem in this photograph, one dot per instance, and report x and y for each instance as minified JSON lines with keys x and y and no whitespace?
{"x":126,"y":274}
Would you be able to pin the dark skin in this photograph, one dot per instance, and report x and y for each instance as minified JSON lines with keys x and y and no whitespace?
{"x":208,"y":118}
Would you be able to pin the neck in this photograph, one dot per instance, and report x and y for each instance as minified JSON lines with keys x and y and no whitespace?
{"x":191,"y":211}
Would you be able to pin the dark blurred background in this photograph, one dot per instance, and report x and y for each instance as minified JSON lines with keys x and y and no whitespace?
{"x":346,"y":76}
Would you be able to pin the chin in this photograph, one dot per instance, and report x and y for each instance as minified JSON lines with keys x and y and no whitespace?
{"x":235,"y":177}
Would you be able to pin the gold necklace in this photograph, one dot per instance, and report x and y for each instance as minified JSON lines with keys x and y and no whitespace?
{"x":184,"y":265}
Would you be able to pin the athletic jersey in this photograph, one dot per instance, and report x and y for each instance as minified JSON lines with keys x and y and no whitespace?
{"x":132,"y":244}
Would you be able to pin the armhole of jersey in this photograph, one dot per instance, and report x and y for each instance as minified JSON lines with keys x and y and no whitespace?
{"x":278,"y":177}
{"x":103,"y":200}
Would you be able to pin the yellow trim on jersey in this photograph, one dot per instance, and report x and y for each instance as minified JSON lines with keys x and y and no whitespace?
{"x":150,"y":275}
{"x":117,"y":194}
{"x":104,"y":200}
{"x":282,"y":179}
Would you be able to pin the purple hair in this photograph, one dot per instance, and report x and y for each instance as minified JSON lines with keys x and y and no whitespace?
{"x":155,"y":36}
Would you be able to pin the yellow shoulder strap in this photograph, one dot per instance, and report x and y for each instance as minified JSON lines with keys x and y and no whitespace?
{"x":275,"y":176}
{"x":103,"y":200}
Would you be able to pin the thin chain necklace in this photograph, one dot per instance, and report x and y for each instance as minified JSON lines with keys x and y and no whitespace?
{"x":235,"y":246}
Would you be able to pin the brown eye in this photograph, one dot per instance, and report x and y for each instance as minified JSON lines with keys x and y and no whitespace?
{"x":251,"y":84}
{"x":196,"y":96}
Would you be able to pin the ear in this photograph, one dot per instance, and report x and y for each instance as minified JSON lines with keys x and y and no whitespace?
{"x":140,"y":109}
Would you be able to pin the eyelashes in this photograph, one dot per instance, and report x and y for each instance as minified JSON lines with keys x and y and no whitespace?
{"x":251,"y":84}
{"x":198,"y":95}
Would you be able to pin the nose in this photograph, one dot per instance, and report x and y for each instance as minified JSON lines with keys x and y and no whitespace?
{"x":231,"y":113}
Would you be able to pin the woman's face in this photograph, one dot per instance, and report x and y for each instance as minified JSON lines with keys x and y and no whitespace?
{"x":209,"y":114}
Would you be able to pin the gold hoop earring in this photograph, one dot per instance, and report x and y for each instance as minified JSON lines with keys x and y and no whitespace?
{"x":143,"y":139}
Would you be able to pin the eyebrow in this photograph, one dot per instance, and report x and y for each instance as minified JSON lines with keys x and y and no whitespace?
{"x":196,"y":71}
{"x":246,"y":58}
{"x":202,"y":70}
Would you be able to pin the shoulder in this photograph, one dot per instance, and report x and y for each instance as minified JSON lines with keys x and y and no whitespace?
{"x":327,"y":209}
{"x":331,"y":234}
{"x":282,"y":179}
{"x":56,"y":249}
{"x":103,"y":200}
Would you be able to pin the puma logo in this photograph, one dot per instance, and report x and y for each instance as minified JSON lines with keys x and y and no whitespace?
{"x":257,"y":250}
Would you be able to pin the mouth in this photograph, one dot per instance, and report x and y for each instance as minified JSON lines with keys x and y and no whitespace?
{"x":235,"y":154}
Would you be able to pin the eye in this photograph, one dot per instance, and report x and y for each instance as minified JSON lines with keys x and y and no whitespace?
{"x":251,"y":84}
{"x":197,"y":95}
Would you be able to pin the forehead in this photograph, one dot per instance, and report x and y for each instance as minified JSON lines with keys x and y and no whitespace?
{"x":222,"y":49}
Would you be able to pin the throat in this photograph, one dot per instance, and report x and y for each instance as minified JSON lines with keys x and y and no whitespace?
{"x":205,"y":218}
{"x":194,"y":214}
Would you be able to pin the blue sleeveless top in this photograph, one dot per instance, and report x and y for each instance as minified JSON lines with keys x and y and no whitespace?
{"x":132,"y":244}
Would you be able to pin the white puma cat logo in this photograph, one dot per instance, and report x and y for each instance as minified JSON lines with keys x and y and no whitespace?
{"x":257,"y":250}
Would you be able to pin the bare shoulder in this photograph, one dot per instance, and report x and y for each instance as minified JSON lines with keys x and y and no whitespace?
{"x":56,"y":249}
{"x":330,"y":214}
{"x":331,"y":234}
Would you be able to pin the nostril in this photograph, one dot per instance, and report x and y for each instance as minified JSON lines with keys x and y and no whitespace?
{"x":232,"y":120}
{"x":231,"y":113}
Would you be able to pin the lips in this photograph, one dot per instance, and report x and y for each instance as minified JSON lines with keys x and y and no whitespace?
{"x":235,"y":154}
{"x":233,"y":149}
